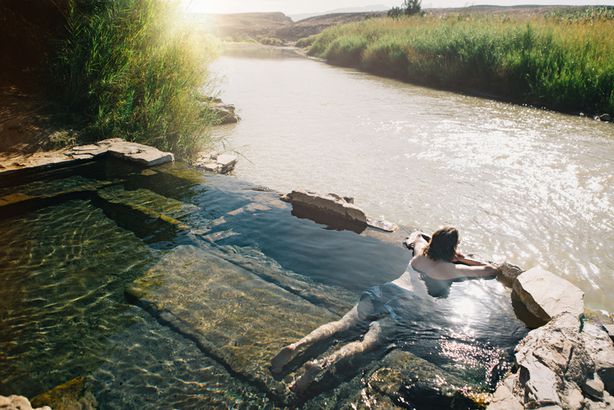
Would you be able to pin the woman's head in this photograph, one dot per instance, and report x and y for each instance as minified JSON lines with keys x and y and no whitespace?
{"x":442,"y":245}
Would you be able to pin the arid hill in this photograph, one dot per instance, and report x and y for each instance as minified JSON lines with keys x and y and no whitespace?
{"x":271,"y":27}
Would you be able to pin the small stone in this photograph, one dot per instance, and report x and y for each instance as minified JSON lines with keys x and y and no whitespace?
{"x":594,"y":388}
{"x":504,"y":399}
{"x":382,"y":225}
{"x":610,"y":330}
{"x":573,"y":398}
{"x":226,"y":162}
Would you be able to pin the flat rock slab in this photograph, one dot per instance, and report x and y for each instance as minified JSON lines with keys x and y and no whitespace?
{"x":117,"y":147}
{"x":144,"y":199}
{"x":546,"y":295}
{"x":130,"y":151}
{"x":232,"y":314}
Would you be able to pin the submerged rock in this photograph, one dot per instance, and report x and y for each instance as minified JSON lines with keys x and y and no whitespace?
{"x":232,"y":314}
{"x":546,"y":295}
{"x":407,"y":379}
{"x":72,"y":395}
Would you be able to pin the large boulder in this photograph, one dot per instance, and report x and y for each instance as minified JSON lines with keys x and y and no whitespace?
{"x":330,"y":209}
{"x":565,"y":364}
{"x":546,"y":295}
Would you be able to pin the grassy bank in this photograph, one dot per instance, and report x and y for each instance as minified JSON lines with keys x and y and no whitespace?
{"x":127,"y":68}
{"x":563,"y":61}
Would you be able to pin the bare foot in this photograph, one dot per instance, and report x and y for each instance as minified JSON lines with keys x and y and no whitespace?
{"x":283,"y":358}
{"x":300,"y":385}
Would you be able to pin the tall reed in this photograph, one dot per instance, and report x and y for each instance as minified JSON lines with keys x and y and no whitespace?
{"x":562,"y":61}
{"x":127,"y":68}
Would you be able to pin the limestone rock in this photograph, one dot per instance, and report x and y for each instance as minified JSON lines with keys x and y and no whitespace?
{"x":218,"y":163}
{"x":72,"y":395}
{"x":601,"y":350}
{"x":508,"y":273}
{"x":134,"y":152}
{"x":225,"y":113}
{"x":594,"y":388}
{"x":380,"y":224}
{"x":546,"y":295}
{"x":233,"y":314}
{"x":18,"y":403}
{"x":553,"y":362}
{"x":117,"y":147}
{"x":610,"y":330}
{"x":406,"y":378}
{"x":331,"y":209}
{"x":504,"y":397}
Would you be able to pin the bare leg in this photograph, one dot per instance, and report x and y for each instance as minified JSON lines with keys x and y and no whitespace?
{"x":324,"y":332}
{"x":371,"y":341}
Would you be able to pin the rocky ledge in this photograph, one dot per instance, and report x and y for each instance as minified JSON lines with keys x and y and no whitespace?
{"x":568,"y":361}
{"x":130,"y":151}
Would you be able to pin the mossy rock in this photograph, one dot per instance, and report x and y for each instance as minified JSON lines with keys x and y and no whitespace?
{"x":72,"y":395}
{"x":232,"y":314}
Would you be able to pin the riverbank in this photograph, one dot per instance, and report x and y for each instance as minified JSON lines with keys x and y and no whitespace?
{"x":562,"y":61}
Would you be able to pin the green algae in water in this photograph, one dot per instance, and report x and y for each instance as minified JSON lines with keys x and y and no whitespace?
{"x":66,"y":267}
{"x":63,"y":271}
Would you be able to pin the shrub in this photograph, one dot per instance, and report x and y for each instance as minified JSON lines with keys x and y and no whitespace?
{"x":128,"y":69}
{"x":557,"y":63}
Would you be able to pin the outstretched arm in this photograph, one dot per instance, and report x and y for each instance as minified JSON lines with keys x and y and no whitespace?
{"x":479,"y":270}
{"x":460,"y":258}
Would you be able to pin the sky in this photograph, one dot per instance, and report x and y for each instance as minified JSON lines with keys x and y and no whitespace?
{"x":313,"y":6}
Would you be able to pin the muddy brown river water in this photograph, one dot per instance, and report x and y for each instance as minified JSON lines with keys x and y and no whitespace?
{"x":529,"y":185}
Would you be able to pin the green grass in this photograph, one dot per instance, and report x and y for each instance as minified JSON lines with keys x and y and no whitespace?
{"x":563,"y":61}
{"x":128,"y":68}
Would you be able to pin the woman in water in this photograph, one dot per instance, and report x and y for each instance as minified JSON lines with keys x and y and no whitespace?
{"x":436,"y":262}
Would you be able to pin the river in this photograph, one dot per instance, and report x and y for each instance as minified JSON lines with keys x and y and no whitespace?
{"x":525,"y":184}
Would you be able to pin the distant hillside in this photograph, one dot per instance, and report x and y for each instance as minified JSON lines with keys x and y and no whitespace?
{"x":242,"y":26}
{"x":267,"y":26}
{"x":365,"y":9}
{"x":314,"y":25}
{"x":277,"y":28}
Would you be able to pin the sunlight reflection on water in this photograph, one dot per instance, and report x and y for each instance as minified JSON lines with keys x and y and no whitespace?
{"x":529,"y":185}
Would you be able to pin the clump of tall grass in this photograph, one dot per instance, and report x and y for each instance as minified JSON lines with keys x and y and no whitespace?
{"x":127,"y":68}
{"x":562,"y":64}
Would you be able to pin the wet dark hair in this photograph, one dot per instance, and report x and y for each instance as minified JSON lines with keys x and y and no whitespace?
{"x":442,"y":245}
